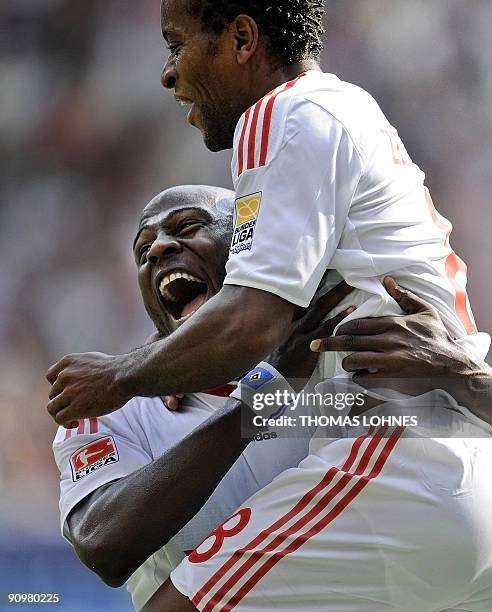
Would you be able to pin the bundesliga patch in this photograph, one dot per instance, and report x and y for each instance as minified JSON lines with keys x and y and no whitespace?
{"x":93,"y":457}
{"x":246,"y":215}
{"x":257,"y":377}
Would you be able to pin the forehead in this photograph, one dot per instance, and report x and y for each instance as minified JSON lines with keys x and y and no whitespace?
{"x":176,"y":16}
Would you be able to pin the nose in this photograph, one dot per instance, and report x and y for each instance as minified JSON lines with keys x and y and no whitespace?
{"x":163,"y":246}
{"x":168,"y":74}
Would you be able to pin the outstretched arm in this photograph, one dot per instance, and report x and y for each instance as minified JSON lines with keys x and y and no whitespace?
{"x":230,"y":334}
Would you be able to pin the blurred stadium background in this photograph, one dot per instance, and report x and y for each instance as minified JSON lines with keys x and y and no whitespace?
{"x":87,"y":136}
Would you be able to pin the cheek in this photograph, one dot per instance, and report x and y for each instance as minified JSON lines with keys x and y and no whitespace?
{"x":144,"y":282}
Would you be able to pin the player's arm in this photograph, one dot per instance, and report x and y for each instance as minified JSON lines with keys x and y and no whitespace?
{"x":285,"y":234}
{"x":414,"y":353}
{"x":122,"y":523}
{"x":119,"y":525}
{"x":238,"y":327}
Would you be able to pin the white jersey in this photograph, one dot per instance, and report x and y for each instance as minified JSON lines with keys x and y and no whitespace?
{"x":377,"y":523}
{"x":323,"y":182}
{"x":112,"y":447}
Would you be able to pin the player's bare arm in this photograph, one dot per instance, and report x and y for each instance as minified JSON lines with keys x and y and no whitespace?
{"x":241,"y":325}
{"x":147,"y":508}
{"x":416,"y":352}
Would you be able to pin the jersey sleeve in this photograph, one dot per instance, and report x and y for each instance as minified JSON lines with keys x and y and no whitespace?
{"x":293,"y":194}
{"x":98,"y":452}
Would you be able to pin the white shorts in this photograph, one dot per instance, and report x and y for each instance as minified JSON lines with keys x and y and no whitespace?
{"x":367,"y":524}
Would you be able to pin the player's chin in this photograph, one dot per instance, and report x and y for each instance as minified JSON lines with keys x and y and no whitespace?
{"x":211,"y":144}
{"x":214,"y":138}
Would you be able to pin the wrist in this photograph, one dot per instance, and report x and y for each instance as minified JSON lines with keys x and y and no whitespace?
{"x":126,"y":380}
{"x":264,"y":390}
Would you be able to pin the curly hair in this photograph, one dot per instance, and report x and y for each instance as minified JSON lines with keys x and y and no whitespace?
{"x":292,"y":28}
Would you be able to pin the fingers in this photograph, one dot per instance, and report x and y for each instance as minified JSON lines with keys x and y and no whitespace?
{"x":54,"y":370}
{"x":348,"y":342}
{"x":56,"y":406}
{"x":56,"y":388}
{"x":407,"y":300}
{"x":324,"y":305}
{"x":172,"y":402}
{"x":327,"y":328}
{"x":367,"y":327}
{"x":366,"y":360}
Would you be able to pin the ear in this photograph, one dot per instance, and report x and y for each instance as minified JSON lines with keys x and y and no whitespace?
{"x":244,"y":30}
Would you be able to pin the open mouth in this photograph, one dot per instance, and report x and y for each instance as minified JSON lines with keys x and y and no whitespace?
{"x":183,"y":294}
{"x":186,"y":102}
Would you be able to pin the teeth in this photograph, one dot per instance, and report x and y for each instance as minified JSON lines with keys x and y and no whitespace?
{"x":184,"y":102}
{"x":169,"y":278}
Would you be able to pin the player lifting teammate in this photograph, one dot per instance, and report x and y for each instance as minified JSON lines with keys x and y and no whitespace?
{"x":333,"y":189}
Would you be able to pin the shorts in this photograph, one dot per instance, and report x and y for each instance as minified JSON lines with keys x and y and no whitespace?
{"x":380,"y":522}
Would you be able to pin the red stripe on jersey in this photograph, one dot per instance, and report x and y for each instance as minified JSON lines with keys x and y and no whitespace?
{"x":361,"y":483}
{"x":454,"y":266}
{"x":297,"y":509}
{"x":252,"y":135}
{"x":93,"y":425}
{"x":267,"y":121}
{"x":224,"y":391}
{"x":240,"y":154}
{"x":68,"y":434}
{"x":302,"y":522}
{"x":81,"y":427}
{"x":252,"y":129}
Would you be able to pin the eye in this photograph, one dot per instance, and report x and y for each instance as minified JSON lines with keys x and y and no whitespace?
{"x":188,"y":227}
{"x":142,"y":254}
{"x":174,"y":48}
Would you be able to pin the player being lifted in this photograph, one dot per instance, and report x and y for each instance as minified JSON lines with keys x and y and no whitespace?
{"x":322,"y":183}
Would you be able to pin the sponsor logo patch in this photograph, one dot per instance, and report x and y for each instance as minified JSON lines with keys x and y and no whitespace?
{"x":93,"y":457}
{"x":246,"y":216}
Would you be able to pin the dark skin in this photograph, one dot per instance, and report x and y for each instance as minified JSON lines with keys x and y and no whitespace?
{"x":182,"y":229}
{"x":220,"y":76}
{"x":202,"y":68}
{"x":223,"y":75}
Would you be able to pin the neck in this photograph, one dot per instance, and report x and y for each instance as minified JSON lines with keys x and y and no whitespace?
{"x":262,"y":84}
{"x":286,"y":73}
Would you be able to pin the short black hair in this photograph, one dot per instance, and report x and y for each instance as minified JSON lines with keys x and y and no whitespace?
{"x":293,"y":28}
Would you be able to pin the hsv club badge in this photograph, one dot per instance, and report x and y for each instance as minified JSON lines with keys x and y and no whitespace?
{"x":246,"y":215}
{"x":92,"y":457}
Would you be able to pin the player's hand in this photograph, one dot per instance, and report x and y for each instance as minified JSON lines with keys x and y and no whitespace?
{"x":294,"y":359}
{"x":172,"y":402}
{"x":84,"y":385}
{"x":409,"y":351}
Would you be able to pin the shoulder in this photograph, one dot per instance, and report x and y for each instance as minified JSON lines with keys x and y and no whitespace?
{"x":129,"y":421}
{"x":310,"y":107}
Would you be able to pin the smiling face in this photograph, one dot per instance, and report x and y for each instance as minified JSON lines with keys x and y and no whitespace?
{"x":181,"y":249}
{"x":202,"y":69}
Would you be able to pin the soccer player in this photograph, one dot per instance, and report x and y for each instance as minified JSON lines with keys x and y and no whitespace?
{"x":130,"y":504}
{"x":322,"y":183}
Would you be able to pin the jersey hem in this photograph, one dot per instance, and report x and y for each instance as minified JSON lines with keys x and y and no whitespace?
{"x":179,"y":587}
{"x":71,"y":501}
